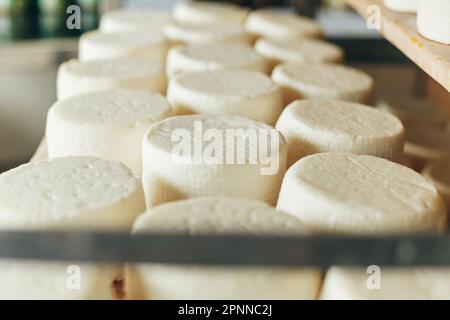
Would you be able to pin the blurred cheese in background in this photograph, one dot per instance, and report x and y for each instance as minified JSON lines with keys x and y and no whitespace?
{"x":438,"y":171}
{"x":220,"y":216}
{"x":343,"y":193}
{"x":301,"y":50}
{"x":107,"y":124}
{"x":75,"y":77}
{"x":320,"y":80}
{"x":226,"y":92}
{"x":275,"y":24}
{"x":208,"y":12}
{"x":135,"y":20}
{"x":402,"y":5}
{"x":192,"y":156}
{"x":73,"y":193}
{"x":433,"y":20}
{"x":213,"y":56}
{"x":100,"y":46}
{"x":315,"y":126}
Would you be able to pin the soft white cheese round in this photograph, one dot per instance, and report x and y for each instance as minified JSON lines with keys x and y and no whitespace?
{"x":107,"y":124}
{"x":226,"y":92}
{"x":220,"y":216}
{"x":301,"y":50}
{"x":315,"y":126}
{"x":102,"y":46}
{"x":433,"y":20}
{"x":320,"y":80}
{"x":191,"y":156}
{"x":392,"y":284}
{"x":401,"y":5}
{"x":209,"y":12}
{"x":438,"y":171}
{"x":75,"y":77}
{"x":140,"y":20}
{"x":274,"y":24}
{"x":213,"y":56}
{"x":198,"y":33}
{"x":345,"y":193}
{"x":415,"y":112}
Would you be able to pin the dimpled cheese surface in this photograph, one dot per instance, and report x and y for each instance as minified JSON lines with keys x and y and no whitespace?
{"x":213,"y":56}
{"x":220,"y":216}
{"x":102,"y":46}
{"x":198,"y":33}
{"x":142,"y":20}
{"x":396,"y":283}
{"x":274,"y":24}
{"x":300,"y":50}
{"x":433,"y":20}
{"x":107,"y":124}
{"x":75,"y":77}
{"x":314,"y":126}
{"x":228,"y":92}
{"x":344,"y":193}
{"x":401,"y":5}
{"x":319,"y":80}
{"x":209,"y":12}
{"x":191,"y":156}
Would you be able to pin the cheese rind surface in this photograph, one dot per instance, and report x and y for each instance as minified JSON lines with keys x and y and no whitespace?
{"x":433,"y":20}
{"x":132,"y":20}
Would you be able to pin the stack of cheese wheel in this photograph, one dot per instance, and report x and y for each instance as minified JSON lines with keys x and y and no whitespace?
{"x":191,"y":156}
{"x":433,"y":20}
{"x":75,"y":77}
{"x":108,"y":124}
{"x":314,"y":126}
{"x":438,"y":171}
{"x":73,"y":193}
{"x":220,"y":216}
{"x":136,"y":20}
{"x":100,"y":46}
{"x":402,"y":5}
{"x":214,"y":56}
{"x":321,"y":80}
{"x":226,"y":92}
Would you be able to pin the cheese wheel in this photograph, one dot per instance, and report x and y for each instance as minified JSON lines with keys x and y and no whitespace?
{"x":220,"y":216}
{"x":315,"y":126}
{"x":107,"y":124}
{"x":394,"y":283}
{"x":433,"y":20}
{"x":198,"y":33}
{"x":274,"y":24}
{"x":415,"y":112}
{"x":302,"y":81}
{"x":75,"y":77}
{"x":130,"y":20}
{"x":213,"y":56}
{"x":438,"y":171}
{"x":401,"y":5}
{"x":73,"y":193}
{"x":299,"y":50}
{"x":226,"y":92}
{"x":191,"y":156}
{"x":345,"y":193}
{"x":209,"y":12}
{"x":102,"y":46}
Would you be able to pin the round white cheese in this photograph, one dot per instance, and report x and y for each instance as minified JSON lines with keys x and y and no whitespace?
{"x":328,"y":81}
{"x":438,"y":171}
{"x":386,"y":284}
{"x":401,"y":5}
{"x":213,"y":56}
{"x":102,"y":46}
{"x":198,"y":33}
{"x":345,"y":193}
{"x":209,"y":13}
{"x":415,"y":112}
{"x":433,"y":18}
{"x":75,"y":77}
{"x":220,"y":216}
{"x":107,"y":124}
{"x":274,"y":24}
{"x":300,"y":50}
{"x":140,"y":20}
{"x":191,"y":156}
{"x":226,"y":92}
{"x":315,"y":126}
{"x":427,"y":143}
